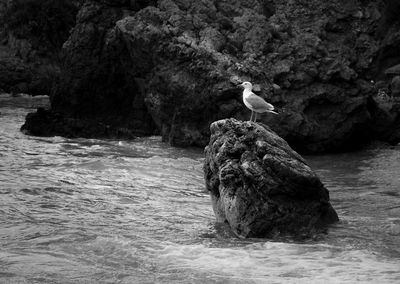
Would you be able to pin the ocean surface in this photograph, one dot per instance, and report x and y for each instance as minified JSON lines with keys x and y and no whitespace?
{"x":107,"y":211}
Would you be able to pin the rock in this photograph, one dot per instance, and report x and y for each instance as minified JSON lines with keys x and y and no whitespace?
{"x":96,"y":83}
{"x":390,"y":15}
{"x":395,"y":86}
{"x":171,"y":67}
{"x":394,"y":70}
{"x":195,"y":62}
{"x":260,"y":186}
{"x":14,"y":75}
{"x":33,"y":32}
{"x":48,"y":123}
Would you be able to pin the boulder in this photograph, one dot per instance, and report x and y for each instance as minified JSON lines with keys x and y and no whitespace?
{"x":260,"y":186}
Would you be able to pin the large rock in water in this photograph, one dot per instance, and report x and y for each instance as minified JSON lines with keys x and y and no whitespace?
{"x":260,"y":186}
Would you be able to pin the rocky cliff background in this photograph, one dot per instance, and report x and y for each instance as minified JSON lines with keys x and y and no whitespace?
{"x":126,"y":68}
{"x":32,"y":34}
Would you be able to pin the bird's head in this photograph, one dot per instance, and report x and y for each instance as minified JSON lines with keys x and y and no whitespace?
{"x":247,"y":85}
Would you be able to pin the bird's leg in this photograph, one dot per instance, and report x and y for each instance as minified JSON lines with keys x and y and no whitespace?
{"x":251,"y":116}
{"x":255,"y":117}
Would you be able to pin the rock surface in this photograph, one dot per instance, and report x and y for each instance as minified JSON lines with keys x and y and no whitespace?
{"x":31,"y":35}
{"x":260,"y":186}
{"x":95,"y":85}
{"x":318,"y":60}
{"x":14,"y":73}
{"x":48,"y":123}
{"x":172,"y":66}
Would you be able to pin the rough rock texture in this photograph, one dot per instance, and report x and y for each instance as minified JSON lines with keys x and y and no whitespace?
{"x":15,"y":75}
{"x":95,"y":86}
{"x":316,"y":53}
{"x":31,"y":35}
{"x":173,"y":65}
{"x":260,"y":186}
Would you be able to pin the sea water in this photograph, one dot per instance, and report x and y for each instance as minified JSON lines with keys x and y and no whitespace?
{"x":108,"y":211}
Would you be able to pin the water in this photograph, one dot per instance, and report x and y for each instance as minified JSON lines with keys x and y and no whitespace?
{"x":105,"y":211}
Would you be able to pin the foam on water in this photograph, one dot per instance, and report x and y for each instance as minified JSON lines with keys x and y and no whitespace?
{"x":281,"y":262}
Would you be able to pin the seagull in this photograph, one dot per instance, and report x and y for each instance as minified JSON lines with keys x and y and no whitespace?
{"x":255,"y":103}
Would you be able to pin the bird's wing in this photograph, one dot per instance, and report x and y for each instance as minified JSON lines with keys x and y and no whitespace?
{"x":259,"y":103}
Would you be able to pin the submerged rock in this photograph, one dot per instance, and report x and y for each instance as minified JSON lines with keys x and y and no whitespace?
{"x":45,"y":123}
{"x":260,"y":186}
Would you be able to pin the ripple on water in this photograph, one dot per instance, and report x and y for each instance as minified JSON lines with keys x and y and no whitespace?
{"x":106,"y":211}
{"x":278,"y":262}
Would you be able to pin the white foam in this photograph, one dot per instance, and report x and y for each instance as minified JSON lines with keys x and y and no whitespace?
{"x":282,"y":262}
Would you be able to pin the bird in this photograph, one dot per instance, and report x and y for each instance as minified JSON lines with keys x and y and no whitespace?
{"x":255,"y":103}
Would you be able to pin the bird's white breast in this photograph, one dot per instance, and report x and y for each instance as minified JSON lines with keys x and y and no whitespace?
{"x":246,"y":94}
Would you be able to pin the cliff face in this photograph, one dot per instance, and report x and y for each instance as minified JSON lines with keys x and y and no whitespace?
{"x":31,"y":36}
{"x":173,"y":65}
{"x":95,"y":82}
{"x":95,"y":96}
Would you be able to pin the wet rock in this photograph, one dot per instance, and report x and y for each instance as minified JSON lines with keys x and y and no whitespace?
{"x":260,"y":186}
{"x":46,"y":123}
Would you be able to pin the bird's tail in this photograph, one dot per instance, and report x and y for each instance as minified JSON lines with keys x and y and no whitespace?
{"x":272,"y":111}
